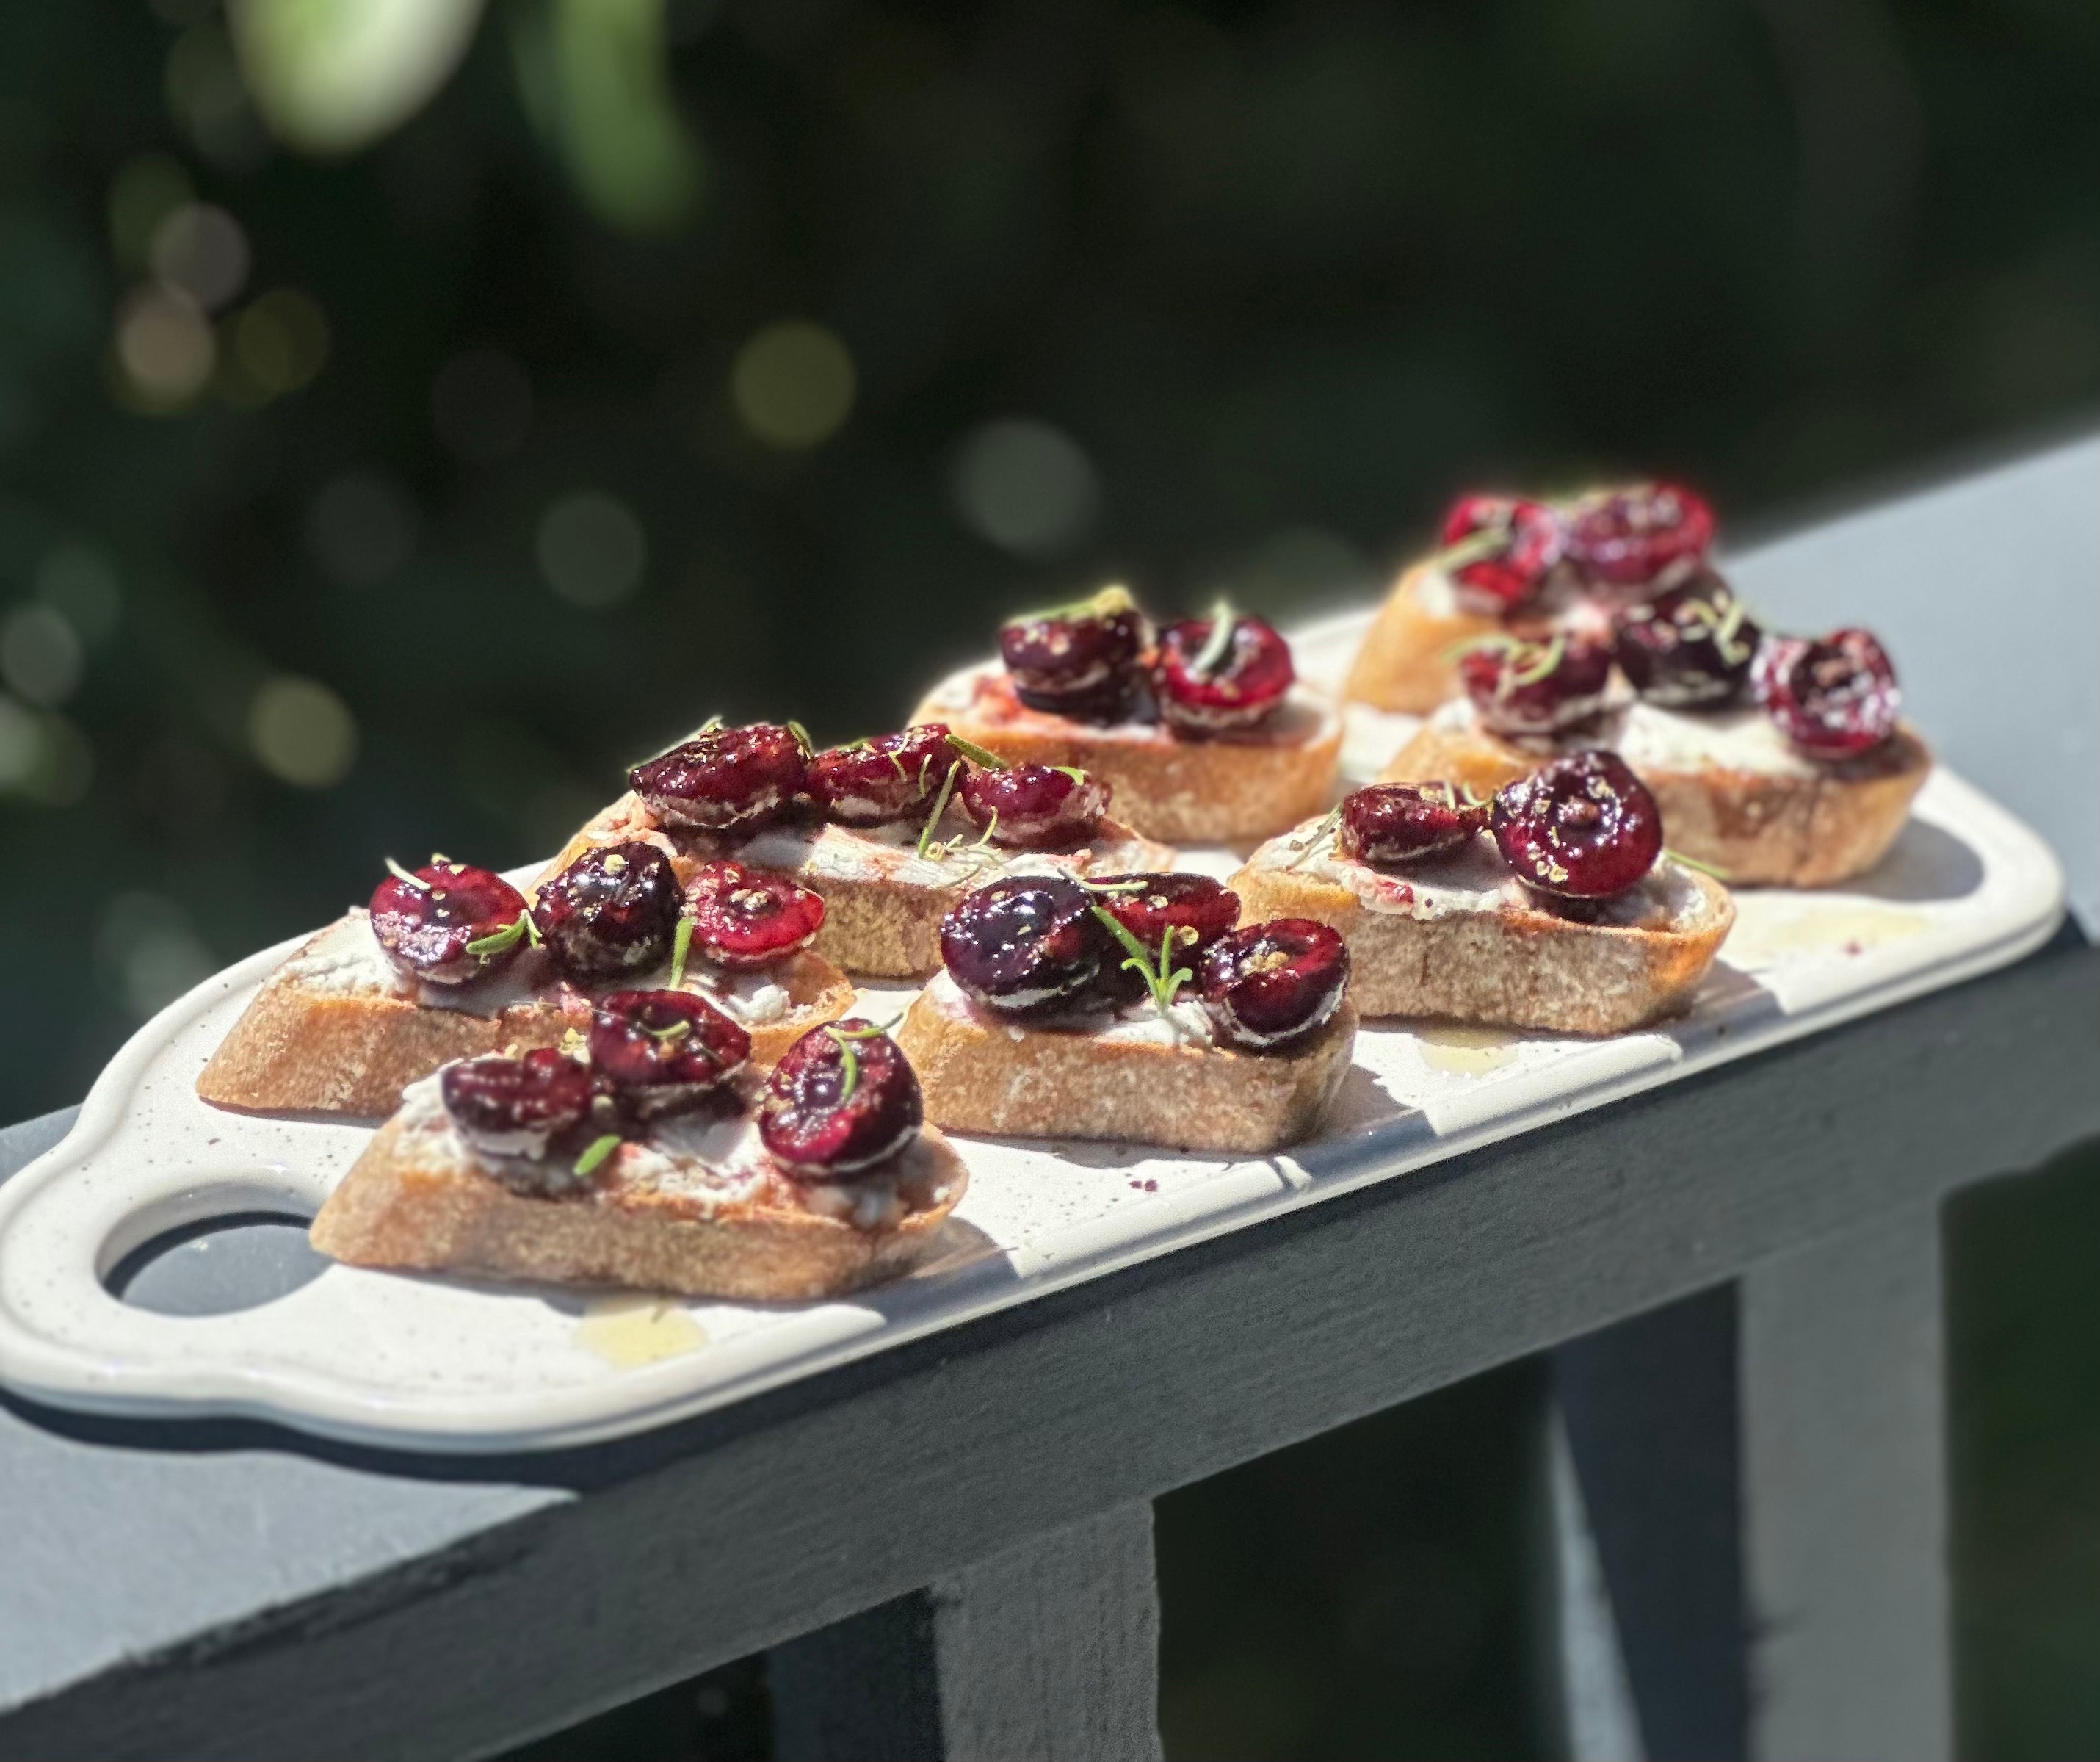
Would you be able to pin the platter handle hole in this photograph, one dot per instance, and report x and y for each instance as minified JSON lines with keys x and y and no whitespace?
{"x":218,"y":1265}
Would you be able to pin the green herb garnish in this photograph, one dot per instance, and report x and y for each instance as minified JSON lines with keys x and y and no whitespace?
{"x":1718,"y":873}
{"x":408,"y":875}
{"x":595,"y":1153}
{"x":1104,"y":603}
{"x":801,"y":735}
{"x":1311,"y":841}
{"x":940,"y":804}
{"x":1224,"y":623}
{"x":849,"y":1059}
{"x":497,"y":941}
{"x":1476,"y":546}
{"x":976,"y":754}
{"x":1542,"y":664}
{"x":677,"y":1030}
{"x":1073,"y":771}
{"x":1161,"y":978}
{"x":681,"y":945}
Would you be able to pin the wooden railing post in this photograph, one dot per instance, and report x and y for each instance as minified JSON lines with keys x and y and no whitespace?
{"x":1048,"y":1652}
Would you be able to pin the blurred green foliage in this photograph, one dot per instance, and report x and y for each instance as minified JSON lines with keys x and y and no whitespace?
{"x":664,"y":357}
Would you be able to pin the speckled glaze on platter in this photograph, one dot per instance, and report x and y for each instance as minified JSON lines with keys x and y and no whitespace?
{"x":451,"y":1365}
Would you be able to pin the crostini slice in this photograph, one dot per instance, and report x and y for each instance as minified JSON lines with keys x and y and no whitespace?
{"x":1457,"y":936}
{"x":1735,"y":793}
{"x":697,"y":1208}
{"x":340,"y":1029}
{"x":1217,"y":788}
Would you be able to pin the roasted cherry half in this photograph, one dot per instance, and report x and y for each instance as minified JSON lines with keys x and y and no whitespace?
{"x":611,"y":911}
{"x":731,"y":777}
{"x":1193,"y":909}
{"x":430,"y":923}
{"x":527,"y":1106}
{"x":1636,"y":536}
{"x":1025,"y":946}
{"x":1407,"y":822}
{"x":1537,"y":688}
{"x":662,"y":1051}
{"x":1035,"y":807}
{"x":747,"y":918}
{"x":842,"y":1098}
{"x":1269,"y":984}
{"x":1499,"y":551}
{"x":1207,"y":682}
{"x":1690,"y":647}
{"x":1584,"y":828}
{"x":1081,"y":660}
{"x":879,"y":781}
{"x":1832,"y":698}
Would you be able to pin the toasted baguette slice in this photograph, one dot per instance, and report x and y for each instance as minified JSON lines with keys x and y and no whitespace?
{"x":1732,"y":793}
{"x":1406,"y":660}
{"x":1459,"y":938}
{"x":1142,"y":1082}
{"x":337,"y":1029}
{"x":697,"y":1210}
{"x":1216,"y":791}
{"x":883,"y":902}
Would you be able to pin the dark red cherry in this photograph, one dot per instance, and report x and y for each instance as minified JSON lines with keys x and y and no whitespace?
{"x":843,"y":1098}
{"x":1832,"y":698}
{"x":1211,"y":686}
{"x":1268,"y":984}
{"x":1500,"y":549}
{"x":1584,"y":828}
{"x":1025,"y":945}
{"x":527,"y":1106}
{"x":1193,"y":909}
{"x":449,"y":923}
{"x":732,"y":777}
{"x":1081,"y":660}
{"x":876,"y":782}
{"x":748,"y":917}
{"x":1689,"y":648}
{"x":611,"y":911}
{"x":1407,"y":822}
{"x":1038,"y":807}
{"x":662,"y":1051}
{"x":1637,"y":534}
{"x":1537,"y":688}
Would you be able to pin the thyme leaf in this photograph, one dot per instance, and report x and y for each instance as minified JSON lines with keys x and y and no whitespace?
{"x":596,"y":1152}
{"x":409,"y":876}
{"x":976,"y":754}
{"x":1161,"y":978}
{"x":681,"y":946}
{"x":1225,"y":625}
{"x":509,"y":937}
{"x":1718,"y":873}
{"x":940,"y":805}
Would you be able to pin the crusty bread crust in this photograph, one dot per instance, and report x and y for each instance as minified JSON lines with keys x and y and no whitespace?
{"x":1183,"y":791}
{"x":300,"y":1048}
{"x":1014,"y":1081}
{"x":404,"y":1206}
{"x":879,"y":926}
{"x":1513,"y":966}
{"x":1758,"y":827}
{"x":1405,"y":662}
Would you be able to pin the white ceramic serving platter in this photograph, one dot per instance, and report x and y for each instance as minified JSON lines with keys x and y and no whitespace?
{"x":430,"y":1363}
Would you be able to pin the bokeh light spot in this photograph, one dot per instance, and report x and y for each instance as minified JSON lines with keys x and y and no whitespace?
{"x":481,"y":404}
{"x":40,"y":655}
{"x":149,"y":952}
{"x":164,"y":347}
{"x":793,"y":384}
{"x":301,"y":731}
{"x":147,"y":188}
{"x":21,"y":744}
{"x":202,"y":249}
{"x":281,"y":341}
{"x":361,"y":529}
{"x":592,"y":549}
{"x":1027,"y":486}
{"x":81,"y":583}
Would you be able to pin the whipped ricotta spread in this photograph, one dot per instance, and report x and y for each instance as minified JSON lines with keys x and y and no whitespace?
{"x":984,"y":695}
{"x":1185,"y":1023}
{"x":1649,"y":737}
{"x":956,"y":858}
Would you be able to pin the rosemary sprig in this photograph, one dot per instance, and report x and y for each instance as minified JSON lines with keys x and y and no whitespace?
{"x":940,"y":804}
{"x":677,"y":1030}
{"x":1225,"y":625}
{"x":976,"y":754}
{"x":1542,"y":664}
{"x":1476,"y":546}
{"x":1718,"y":873}
{"x":409,"y":876}
{"x":681,"y":946}
{"x":801,"y":735}
{"x":1073,"y":771}
{"x":1129,"y":883}
{"x":1161,"y":978}
{"x":1312,"y":839}
{"x":595,"y":1153}
{"x":849,"y":1059}
{"x":1102,"y":603}
{"x":509,"y":937}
